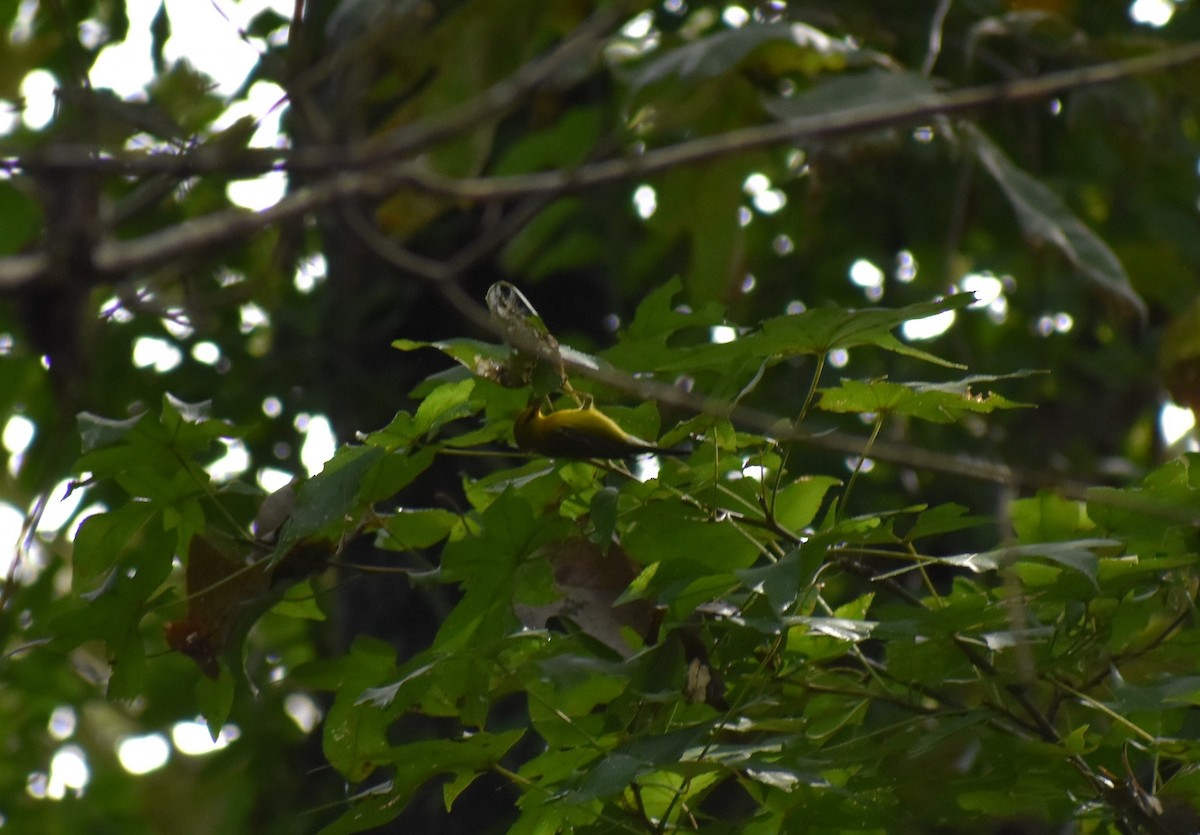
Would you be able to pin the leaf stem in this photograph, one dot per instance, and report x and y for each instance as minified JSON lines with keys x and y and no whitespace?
{"x":858,"y":466}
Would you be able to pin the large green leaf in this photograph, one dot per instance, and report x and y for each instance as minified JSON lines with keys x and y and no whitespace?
{"x":617,"y":769}
{"x":355,"y":734}
{"x":816,"y":331}
{"x":330,"y":503}
{"x":673,"y":530}
{"x":1078,"y":555}
{"x":1045,"y":217}
{"x":872,"y":90}
{"x":723,"y":50}
{"x":935,"y":402}
{"x":131,"y":536}
{"x":414,"y":764}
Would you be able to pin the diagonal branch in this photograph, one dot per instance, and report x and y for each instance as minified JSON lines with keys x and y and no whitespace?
{"x":824,"y":126}
{"x":114,"y":258}
{"x":405,"y":141}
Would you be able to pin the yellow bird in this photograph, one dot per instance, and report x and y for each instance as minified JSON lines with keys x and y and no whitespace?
{"x":585,"y":432}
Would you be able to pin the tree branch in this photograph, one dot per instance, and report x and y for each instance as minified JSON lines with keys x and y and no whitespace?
{"x":409,"y":139}
{"x":114,"y":258}
{"x":812,"y":128}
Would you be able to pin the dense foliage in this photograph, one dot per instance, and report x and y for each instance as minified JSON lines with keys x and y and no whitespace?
{"x":905,"y":287}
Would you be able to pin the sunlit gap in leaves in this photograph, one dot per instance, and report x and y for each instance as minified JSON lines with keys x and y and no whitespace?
{"x":319,"y":441}
{"x":113,"y":310}
{"x":252,"y":316}
{"x":312,"y":271}
{"x":263,"y":104}
{"x":156,"y":353}
{"x":125,"y":67}
{"x":39,"y":98}
{"x":989,"y":290}
{"x":318,"y":446}
{"x":755,"y":472}
{"x":930,"y":327}
{"x":645,"y":201}
{"x":766,"y":199}
{"x":147,"y":143}
{"x":177,"y":323}
{"x":259,"y":193}
{"x":210,"y":36}
{"x":192,"y":739}
{"x":1175,"y":424}
{"x":271,"y":479}
{"x":214,"y":41}
{"x":18,"y":434}
{"x":143,"y":753}
{"x":646,"y":467}
{"x":639,"y":27}
{"x":68,"y":767}
{"x":1152,"y":12}
{"x":22,"y":25}
{"x":638,"y":37}
{"x":735,"y":17}
{"x":207,"y":353}
{"x":234,"y":461}
{"x":255,"y":323}
{"x":863,"y":465}
{"x":1052,"y":323}
{"x":864,"y":274}
{"x":906,"y":267}
{"x":10,"y":117}
{"x":720,"y":334}
{"x":63,"y":722}
{"x":226,"y":277}
{"x":61,"y":509}
{"x":69,"y":771}
{"x":303,"y":711}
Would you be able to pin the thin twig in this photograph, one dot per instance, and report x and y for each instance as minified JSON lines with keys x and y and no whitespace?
{"x":935,"y":37}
